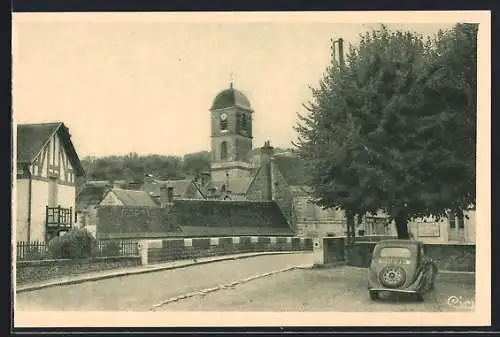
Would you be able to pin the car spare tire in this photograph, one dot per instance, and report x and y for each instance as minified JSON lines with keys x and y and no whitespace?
{"x":392,"y":276}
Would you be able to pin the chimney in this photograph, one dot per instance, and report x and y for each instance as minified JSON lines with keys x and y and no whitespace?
{"x":341,"y":52}
{"x":265,"y":161}
{"x":166,"y":195}
{"x":266,"y":152}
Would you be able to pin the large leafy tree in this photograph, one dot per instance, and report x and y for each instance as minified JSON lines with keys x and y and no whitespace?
{"x":393,"y":128}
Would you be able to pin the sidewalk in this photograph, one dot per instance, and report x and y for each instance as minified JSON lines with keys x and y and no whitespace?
{"x":95,"y":276}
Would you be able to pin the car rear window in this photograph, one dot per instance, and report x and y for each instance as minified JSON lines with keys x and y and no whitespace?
{"x":395,"y":252}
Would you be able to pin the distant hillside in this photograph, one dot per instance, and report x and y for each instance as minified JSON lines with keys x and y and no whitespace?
{"x":134,"y":167}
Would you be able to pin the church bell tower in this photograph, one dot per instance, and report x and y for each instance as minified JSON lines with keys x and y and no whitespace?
{"x":231,"y":133}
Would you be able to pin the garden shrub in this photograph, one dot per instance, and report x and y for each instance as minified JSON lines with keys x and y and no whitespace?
{"x":76,"y":244}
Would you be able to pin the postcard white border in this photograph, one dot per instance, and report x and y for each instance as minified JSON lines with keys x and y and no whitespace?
{"x":482,"y":314}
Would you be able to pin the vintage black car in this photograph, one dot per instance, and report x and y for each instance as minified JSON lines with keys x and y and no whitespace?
{"x":401,"y":266}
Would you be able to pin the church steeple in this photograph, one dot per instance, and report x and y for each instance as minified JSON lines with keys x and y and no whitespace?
{"x":231,"y":116}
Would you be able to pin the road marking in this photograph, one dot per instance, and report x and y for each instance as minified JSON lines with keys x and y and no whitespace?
{"x":233,"y":284}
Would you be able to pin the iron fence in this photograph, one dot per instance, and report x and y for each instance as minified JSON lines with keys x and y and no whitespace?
{"x":29,"y":251}
{"x":106,"y":248}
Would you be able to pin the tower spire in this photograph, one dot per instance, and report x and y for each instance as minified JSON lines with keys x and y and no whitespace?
{"x":231,"y":80}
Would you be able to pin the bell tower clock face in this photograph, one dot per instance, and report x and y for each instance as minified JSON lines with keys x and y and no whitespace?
{"x":223,"y":122}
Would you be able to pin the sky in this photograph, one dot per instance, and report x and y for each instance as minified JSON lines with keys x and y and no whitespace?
{"x":143,"y":86}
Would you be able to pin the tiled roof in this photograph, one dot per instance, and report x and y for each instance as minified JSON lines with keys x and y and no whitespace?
{"x":300,"y":191}
{"x":105,"y":183}
{"x":182,"y":188}
{"x":32,"y":137}
{"x":90,"y":196}
{"x":197,"y":231}
{"x":292,"y":167}
{"x":236,"y":185}
{"x":245,"y":217}
{"x":134,"y":198}
{"x":152,"y":188}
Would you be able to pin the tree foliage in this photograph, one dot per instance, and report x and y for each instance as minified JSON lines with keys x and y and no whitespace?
{"x":134,"y":167}
{"x":394,"y":128}
{"x":196,"y":163}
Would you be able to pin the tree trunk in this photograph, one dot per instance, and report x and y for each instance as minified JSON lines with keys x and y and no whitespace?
{"x":402,"y":226}
{"x":350,"y":234}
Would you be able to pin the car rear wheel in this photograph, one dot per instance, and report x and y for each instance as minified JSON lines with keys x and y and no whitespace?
{"x":373,"y":295}
{"x":392,"y":276}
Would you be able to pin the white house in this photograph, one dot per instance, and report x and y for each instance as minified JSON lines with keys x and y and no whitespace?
{"x":47,"y":168}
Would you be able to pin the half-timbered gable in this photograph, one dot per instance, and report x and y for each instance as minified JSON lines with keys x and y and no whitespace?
{"x":47,"y":151}
{"x":47,"y":167}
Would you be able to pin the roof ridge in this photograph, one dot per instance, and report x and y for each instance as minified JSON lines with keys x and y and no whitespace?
{"x":47,"y":123}
{"x":127,"y":190}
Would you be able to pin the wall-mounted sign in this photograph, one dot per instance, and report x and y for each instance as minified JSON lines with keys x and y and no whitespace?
{"x":377,"y":225}
{"x":428,"y":229}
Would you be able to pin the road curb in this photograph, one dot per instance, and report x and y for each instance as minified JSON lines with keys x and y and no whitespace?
{"x":141,"y":271}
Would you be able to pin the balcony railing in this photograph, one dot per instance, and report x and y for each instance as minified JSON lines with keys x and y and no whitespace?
{"x":58,"y":219}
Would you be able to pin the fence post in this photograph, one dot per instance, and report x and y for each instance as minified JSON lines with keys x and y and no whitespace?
{"x":143,"y":251}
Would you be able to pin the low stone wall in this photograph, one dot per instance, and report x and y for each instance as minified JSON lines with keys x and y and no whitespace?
{"x":457,"y":257}
{"x":155,"y":251}
{"x":451,"y":257}
{"x":374,"y":238}
{"x":333,"y":250}
{"x":36,"y":271}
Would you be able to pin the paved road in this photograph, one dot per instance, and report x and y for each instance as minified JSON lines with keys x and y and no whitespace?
{"x":140,"y":292}
{"x":341,"y":289}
